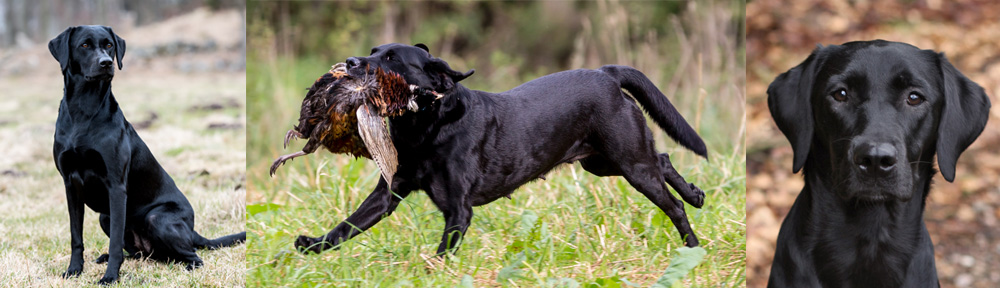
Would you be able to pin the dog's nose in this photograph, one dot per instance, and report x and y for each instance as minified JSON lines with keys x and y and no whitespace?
{"x":353,"y":62}
{"x":105,"y":62}
{"x":875,"y":158}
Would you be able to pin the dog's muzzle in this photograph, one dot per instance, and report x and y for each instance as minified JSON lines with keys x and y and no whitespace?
{"x":880,"y":171}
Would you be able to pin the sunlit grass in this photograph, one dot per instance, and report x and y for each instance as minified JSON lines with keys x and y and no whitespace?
{"x":588,"y":229}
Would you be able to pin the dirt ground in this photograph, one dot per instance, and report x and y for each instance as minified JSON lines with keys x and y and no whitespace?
{"x":961,"y":216}
{"x":186,"y":97}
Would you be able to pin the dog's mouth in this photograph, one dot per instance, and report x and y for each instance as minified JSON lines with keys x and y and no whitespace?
{"x":361,"y":70}
{"x":875,"y":198}
{"x":99,"y":76}
{"x":886,"y":191}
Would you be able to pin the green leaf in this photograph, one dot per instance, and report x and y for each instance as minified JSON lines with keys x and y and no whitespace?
{"x":516,"y":247}
{"x":609,"y":282}
{"x":253,"y":209}
{"x":528,"y":221}
{"x":562,"y":283}
{"x":466,"y":282}
{"x":683,"y":261}
{"x":512,"y":270}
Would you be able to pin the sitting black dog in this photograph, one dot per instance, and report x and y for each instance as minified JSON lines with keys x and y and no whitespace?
{"x":471,"y":147}
{"x":105,"y":164}
{"x":865,"y":120}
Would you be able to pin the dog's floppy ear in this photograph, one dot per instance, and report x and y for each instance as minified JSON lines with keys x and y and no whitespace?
{"x":788,"y":98}
{"x":59,"y":47}
{"x":963,"y":117}
{"x":442,"y":76}
{"x":422,"y":46}
{"x":119,"y":46}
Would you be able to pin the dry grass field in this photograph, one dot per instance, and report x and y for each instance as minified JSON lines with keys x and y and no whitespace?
{"x":195,"y":126}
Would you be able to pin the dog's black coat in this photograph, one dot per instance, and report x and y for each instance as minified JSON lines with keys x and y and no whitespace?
{"x":472,"y":147}
{"x":105,"y":165}
{"x":865,"y":120}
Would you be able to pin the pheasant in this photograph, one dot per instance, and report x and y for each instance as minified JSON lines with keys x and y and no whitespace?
{"x":344,"y":114}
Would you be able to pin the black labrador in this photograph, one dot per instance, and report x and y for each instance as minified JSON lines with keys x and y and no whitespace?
{"x":472,"y":147}
{"x":105,"y":164}
{"x":865,"y":120}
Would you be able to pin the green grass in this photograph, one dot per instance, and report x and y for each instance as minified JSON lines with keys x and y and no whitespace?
{"x":571,"y":228}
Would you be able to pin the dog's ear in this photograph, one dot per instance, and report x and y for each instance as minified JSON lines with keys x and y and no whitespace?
{"x":422,"y":46}
{"x":963,"y":118}
{"x":443,"y":78}
{"x":119,"y":46}
{"x":59,"y":47}
{"x":788,"y":98}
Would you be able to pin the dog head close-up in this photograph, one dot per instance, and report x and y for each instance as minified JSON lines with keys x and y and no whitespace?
{"x":88,"y":51}
{"x":873,"y":114}
{"x":414,"y":63}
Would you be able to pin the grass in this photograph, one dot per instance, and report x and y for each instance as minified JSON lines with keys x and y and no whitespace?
{"x":208,"y":165}
{"x":573,"y":228}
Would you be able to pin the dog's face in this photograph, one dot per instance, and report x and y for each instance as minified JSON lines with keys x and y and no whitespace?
{"x":414,"y":63}
{"x":87,"y":51}
{"x":871,"y":115}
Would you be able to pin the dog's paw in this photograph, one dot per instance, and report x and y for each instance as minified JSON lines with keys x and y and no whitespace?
{"x":691,"y":241}
{"x":72,"y":272}
{"x":194,"y":265}
{"x":108,"y":280}
{"x":696,"y":198}
{"x":102,"y":259}
{"x":306,"y":244}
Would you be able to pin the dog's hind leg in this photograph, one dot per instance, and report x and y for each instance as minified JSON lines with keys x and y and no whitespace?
{"x":651,"y":185}
{"x":633,"y":153}
{"x":601,"y":166}
{"x":170,"y":235}
{"x":379,"y":204}
{"x":690,"y":193}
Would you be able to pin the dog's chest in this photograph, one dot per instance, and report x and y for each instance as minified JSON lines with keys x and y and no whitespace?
{"x":90,"y":157}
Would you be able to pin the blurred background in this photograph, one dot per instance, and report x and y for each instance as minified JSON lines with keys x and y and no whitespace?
{"x":692,"y":50}
{"x":182,"y":87}
{"x":961,"y":216}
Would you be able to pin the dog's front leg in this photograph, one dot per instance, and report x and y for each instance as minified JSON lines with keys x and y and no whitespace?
{"x":456,"y":221}
{"x":116,"y":203}
{"x":75,"y":204}
{"x":379,"y":204}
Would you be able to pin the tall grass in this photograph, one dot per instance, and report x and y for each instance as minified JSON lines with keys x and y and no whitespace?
{"x":588,"y":229}
{"x":569,"y":230}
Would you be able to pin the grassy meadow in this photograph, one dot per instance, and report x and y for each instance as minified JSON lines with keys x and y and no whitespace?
{"x":571,"y":230}
{"x":206,"y":163}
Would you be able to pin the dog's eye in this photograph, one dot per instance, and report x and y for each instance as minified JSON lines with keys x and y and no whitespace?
{"x":85,"y":45}
{"x":388,"y":57}
{"x":914,"y":99}
{"x":108,"y":46}
{"x":840,"y":95}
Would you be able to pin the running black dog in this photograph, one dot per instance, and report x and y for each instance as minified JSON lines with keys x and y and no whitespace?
{"x":105,"y":164}
{"x":865,"y":120}
{"x":471,"y":147}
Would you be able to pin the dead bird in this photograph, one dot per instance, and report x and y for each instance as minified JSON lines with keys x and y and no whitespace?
{"x":344,"y":114}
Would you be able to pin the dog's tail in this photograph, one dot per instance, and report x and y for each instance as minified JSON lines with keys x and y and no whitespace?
{"x":224,"y":241}
{"x":658,"y":107}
